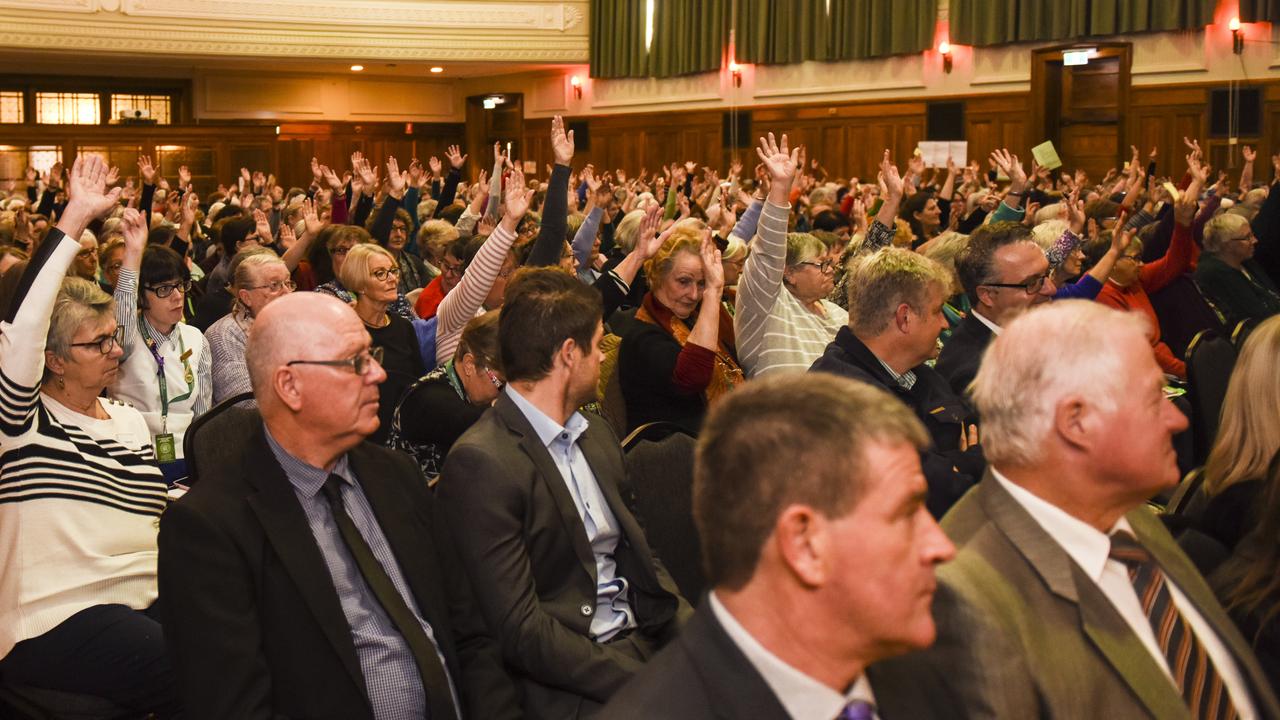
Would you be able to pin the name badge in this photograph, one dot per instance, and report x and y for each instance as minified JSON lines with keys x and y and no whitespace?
{"x":165,"y":451}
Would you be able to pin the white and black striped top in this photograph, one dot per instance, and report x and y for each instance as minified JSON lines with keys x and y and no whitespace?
{"x":80,"y":498}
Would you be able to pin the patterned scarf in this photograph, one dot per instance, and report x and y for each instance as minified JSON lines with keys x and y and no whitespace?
{"x":726,"y":374}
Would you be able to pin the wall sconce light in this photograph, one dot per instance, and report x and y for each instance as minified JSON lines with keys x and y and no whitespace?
{"x":735,"y":70}
{"x":944,"y":49}
{"x":1237,"y":36}
{"x":576,"y":82}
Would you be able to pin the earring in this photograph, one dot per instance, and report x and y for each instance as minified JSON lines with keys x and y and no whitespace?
{"x":62,"y":383}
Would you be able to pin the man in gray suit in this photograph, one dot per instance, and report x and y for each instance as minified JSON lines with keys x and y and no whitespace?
{"x":1068,"y":598}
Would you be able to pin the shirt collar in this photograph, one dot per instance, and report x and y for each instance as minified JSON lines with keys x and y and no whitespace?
{"x":157,"y":337}
{"x":1088,"y":547}
{"x":907,"y":379}
{"x":548,"y":430}
{"x":982,"y":319}
{"x":801,"y":695}
{"x":306,"y":479}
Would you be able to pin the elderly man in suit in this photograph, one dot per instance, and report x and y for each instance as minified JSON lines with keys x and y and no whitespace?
{"x":1004,"y":272}
{"x":561,"y":569}
{"x":305,"y":577}
{"x":1068,"y":598}
{"x":809,"y":501}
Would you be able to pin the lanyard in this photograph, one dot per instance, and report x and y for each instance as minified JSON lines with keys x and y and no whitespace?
{"x":164,"y":382}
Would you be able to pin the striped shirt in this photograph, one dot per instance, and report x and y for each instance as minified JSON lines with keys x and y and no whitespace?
{"x":466,"y":299}
{"x":79,"y":497}
{"x":774,"y":330}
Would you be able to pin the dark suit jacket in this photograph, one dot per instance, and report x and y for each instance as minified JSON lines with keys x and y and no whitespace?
{"x":1024,"y":633}
{"x":949,"y":472}
{"x":521,"y":539}
{"x":250,"y":610}
{"x":962,"y":353}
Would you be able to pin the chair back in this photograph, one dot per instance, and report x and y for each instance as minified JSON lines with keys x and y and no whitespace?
{"x":660,"y":479}
{"x":1241,"y":332}
{"x":613,"y":406}
{"x":1188,"y":497}
{"x":1210,"y":360}
{"x":227,"y":428}
{"x":1183,"y":311}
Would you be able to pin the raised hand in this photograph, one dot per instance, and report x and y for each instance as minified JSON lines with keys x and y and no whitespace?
{"x":331,"y":178}
{"x":778,"y":160}
{"x":55,"y":176}
{"x":499,"y":158}
{"x":1011,"y":167}
{"x":397,"y":181}
{"x":516,"y":199}
{"x":190,"y":203}
{"x":455,"y":156}
{"x":287,"y":238}
{"x":31,"y":175}
{"x":87,"y":190}
{"x":712,"y":269}
{"x":146,"y":170}
{"x":1198,"y":170}
{"x":1192,"y":145}
{"x":1184,"y":210}
{"x":890,"y":180}
{"x":317,"y":174}
{"x":1248,"y":153}
{"x":648,"y":240}
{"x":417,"y":173}
{"x":1074,"y":210}
{"x":113,"y":175}
{"x":134,"y":227}
{"x":589,"y":177}
{"x":263,"y":226}
{"x":368,"y":176}
{"x":561,"y":141}
{"x":915,"y":165}
{"x":1121,"y":240}
{"x":245,"y":176}
{"x":433,"y":164}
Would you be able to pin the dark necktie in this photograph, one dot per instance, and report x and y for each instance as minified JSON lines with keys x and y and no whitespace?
{"x":1189,"y":663}
{"x":858,"y":710}
{"x":434,"y":679}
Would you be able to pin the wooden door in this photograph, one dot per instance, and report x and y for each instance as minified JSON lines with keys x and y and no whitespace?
{"x":1082,"y":108}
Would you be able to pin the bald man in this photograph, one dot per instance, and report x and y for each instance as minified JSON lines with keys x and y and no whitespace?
{"x":305,"y":576}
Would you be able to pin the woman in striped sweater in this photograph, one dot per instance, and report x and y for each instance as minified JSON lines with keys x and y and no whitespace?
{"x":80,"y":494}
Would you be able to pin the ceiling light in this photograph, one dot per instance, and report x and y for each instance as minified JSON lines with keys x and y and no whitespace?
{"x":437,"y":69}
{"x":357,"y":68}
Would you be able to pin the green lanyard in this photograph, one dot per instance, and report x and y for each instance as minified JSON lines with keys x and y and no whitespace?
{"x":164,"y":382}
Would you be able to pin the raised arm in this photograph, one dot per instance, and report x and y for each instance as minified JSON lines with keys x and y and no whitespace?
{"x":761,"y":279}
{"x":296,"y":252}
{"x":555,"y":212}
{"x":462,"y":303}
{"x":882,"y":229}
{"x":25,"y":327}
{"x":450,"y":189}
{"x":126,"y":294}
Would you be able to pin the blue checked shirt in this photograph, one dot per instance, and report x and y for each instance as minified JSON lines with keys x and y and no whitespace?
{"x":395,"y":687}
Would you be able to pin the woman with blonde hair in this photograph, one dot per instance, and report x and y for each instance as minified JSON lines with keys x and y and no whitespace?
{"x":371,"y":274}
{"x":679,"y":356}
{"x":1248,"y":438}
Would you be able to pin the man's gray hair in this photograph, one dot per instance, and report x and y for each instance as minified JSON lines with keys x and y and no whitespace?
{"x":1061,"y":349}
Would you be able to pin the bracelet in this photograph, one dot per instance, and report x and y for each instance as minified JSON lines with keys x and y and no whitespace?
{"x":1016,"y":194}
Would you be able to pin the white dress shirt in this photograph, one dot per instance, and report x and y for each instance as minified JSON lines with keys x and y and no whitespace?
{"x":1090,"y":549}
{"x":803,"y":697}
{"x":995,"y":329}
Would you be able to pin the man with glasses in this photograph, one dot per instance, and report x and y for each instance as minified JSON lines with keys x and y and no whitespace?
{"x":1229,"y":274}
{"x":451,"y":269}
{"x":306,"y":576}
{"x":1004,"y":272}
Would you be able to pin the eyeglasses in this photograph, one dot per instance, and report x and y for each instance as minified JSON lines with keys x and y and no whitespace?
{"x":358,"y":362}
{"x":165,"y":290}
{"x":275,"y":286}
{"x":382,"y":273}
{"x":1135,"y":259}
{"x":1243,"y":238}
{"x":399,"y":228}
{"x":451,"y":268}
{"x":824,"y":267}
{"x":86,"y":253}
{"x":106,"y":342}
{"x":114,"y":266}
{"x":340,"y":251}
{"x":1031,"y":286}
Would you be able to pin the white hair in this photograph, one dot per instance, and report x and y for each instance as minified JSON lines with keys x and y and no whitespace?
{"x":1049,"y":212}
{"x":1061,"y":349}
{"x":1221,"y":229}
{"x":1047,"y":233}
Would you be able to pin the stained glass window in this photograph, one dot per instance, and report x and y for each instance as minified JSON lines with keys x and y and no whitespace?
{"x":68,"y":108}
{"x":156,"y":107}
{"x":11,"y":110}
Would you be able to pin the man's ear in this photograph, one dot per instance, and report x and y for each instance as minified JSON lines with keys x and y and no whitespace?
{"x":984,"y":294}
{"x":287,"y":385}
{"x":567,"y":356}
{"x":801,"y":540}
{"x":902,"y":318}
{"x":1075,"y":422}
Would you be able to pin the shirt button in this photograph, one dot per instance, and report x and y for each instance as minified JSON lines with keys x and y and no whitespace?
{"x":564,"y":436}
{"x":586,"y":609}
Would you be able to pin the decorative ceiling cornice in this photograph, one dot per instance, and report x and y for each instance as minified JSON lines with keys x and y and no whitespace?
{"x":384,"y":29}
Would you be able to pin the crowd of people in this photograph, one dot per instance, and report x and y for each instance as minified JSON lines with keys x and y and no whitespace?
{"x":933,"y":413}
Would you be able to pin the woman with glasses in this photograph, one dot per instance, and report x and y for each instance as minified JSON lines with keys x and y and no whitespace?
{"x":167,"y":370}
{"x":679,"y":356}
{"x":1229,"y":274}
{"x":338,"y":245}
{"x":370,"y":273}
{"x":783,"y":319}
{"x":445,"y":402}
{"x":81,"y":495}
{"x":257,"y":277}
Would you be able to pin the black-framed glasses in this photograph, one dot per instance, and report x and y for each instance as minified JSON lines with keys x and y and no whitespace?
{"x":1031,"y":286}
{"x":824,"y":267}
{"x":276,"y":286}
{"x":1135,"y":259}
{"x":106,"y":342}
{"x":358,"y":362}
{"x":398,"y":227}
{"x":447,"y":268}
{"x":164,"y":290}
{"x":87,"y":253}
{"x":383,"y":273}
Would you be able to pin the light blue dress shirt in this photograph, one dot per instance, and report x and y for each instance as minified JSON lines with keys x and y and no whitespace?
{"x":390,"y":674}
{"x":613,"y":609}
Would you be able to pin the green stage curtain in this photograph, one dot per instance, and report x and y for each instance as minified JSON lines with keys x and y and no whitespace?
{"x":771,"y":32}
{"x":1259,"y":11}
{"x":688,"y":37}
{"x":994,"y":22}
{"x":617,"y":39}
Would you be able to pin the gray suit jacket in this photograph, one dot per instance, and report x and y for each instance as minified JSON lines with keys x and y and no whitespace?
{"x":1023,"y":632}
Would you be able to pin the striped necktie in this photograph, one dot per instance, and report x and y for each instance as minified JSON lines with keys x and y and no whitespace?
{"x":1192,"y":668}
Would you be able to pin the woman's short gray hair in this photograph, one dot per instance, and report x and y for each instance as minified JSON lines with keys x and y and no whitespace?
{"x":1070,"y":347}
{"x":79,"y":301}
{"x":1222,"y":229}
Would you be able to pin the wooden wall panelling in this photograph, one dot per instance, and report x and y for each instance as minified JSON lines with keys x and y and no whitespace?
{"x":1161,"y":117}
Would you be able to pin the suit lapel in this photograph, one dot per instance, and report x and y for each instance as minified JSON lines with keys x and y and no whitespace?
{"x":290,"y":536}
{"x":400,"y":522}
{"x":734,"y":686}
{"x":605,"y":468}
{"x":551,"y":477}
{"x":1099,"y":620}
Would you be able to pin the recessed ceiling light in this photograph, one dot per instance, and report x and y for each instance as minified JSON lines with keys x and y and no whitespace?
{"x":357,"y":68}
{"x":437,"y":69}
